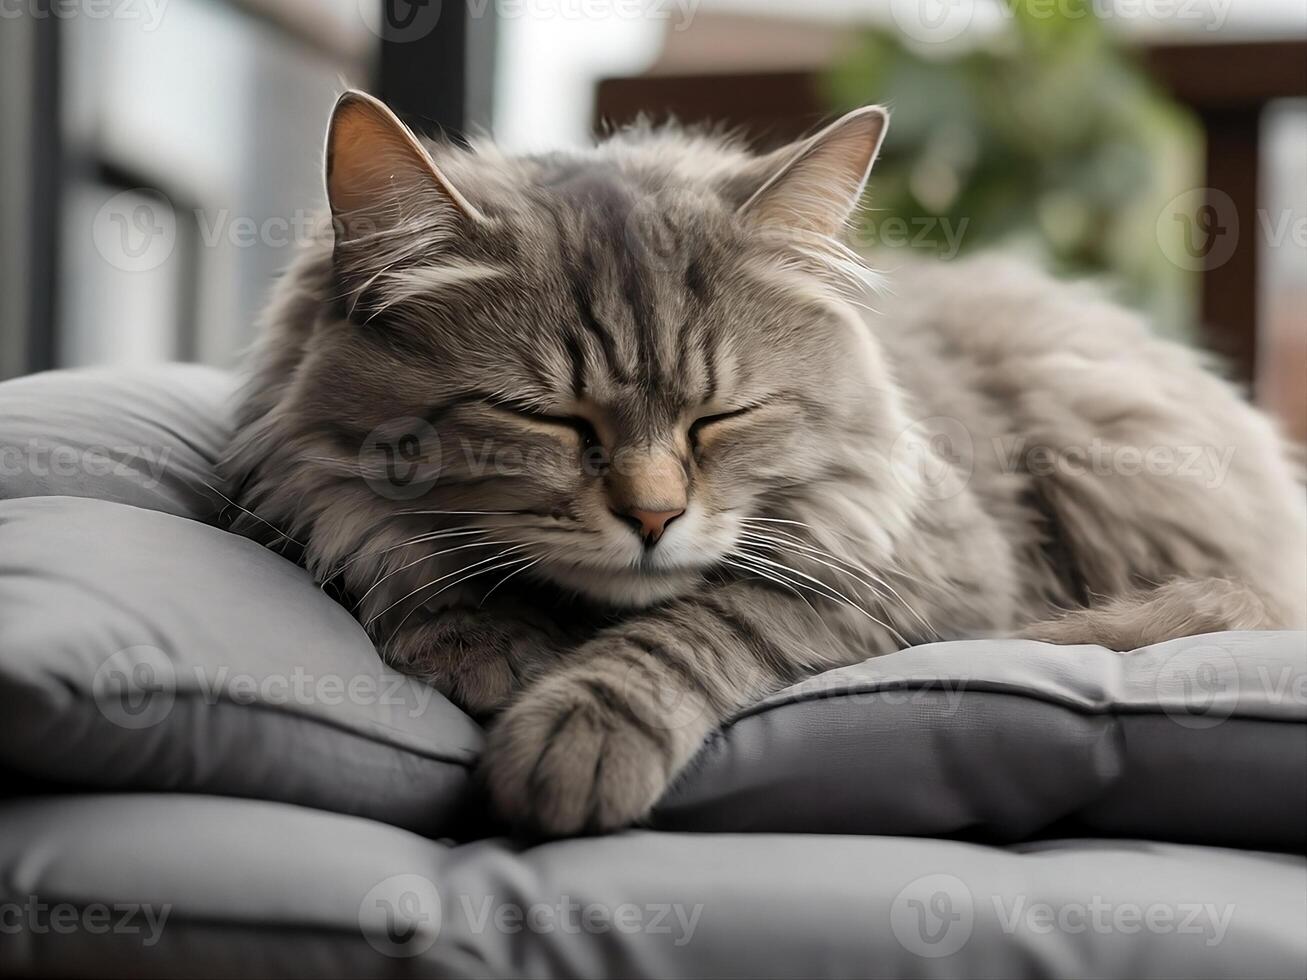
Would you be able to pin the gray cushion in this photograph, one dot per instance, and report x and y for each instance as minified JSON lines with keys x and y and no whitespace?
{"x":146,"y":651}
{"x":268,"y":688}
{"x":244,"y":888}
{"x":143,"y":436}
{"x":1199,"y":739}
{"x":143,"y":649}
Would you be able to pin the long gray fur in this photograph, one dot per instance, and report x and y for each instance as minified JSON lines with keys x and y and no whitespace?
{"x":867,"y":480}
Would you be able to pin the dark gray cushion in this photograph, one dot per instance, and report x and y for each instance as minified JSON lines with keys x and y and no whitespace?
{"x":215,"y":887}
{"x":1199,"y":739}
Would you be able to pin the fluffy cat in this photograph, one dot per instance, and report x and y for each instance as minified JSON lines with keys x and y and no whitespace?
{"x":609,"y":444}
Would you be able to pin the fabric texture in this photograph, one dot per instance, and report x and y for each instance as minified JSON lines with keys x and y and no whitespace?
{"x":143,"y":648}
{"x":286,"y":891}
{"x":144,"y":436}
{"x":146,"y":651}
{"x":1199,"y":739}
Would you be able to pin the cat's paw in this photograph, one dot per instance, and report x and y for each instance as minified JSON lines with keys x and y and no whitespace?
{"x":574,"y":757}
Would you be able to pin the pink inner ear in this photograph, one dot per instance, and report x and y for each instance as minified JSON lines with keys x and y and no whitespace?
{"x":375,"y":164}
{"x":370,"y":159}
{"x":820,"y":186}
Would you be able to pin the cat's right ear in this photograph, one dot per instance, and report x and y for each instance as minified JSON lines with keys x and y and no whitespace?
{"x":819,"y":181}
{"x":378,"y":174}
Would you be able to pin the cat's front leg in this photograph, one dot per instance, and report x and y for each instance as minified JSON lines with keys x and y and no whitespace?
{"x":479,"y":659}
{"x":593,"y":746}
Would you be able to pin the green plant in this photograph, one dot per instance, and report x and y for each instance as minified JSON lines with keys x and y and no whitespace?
{"x":1047,"y":136}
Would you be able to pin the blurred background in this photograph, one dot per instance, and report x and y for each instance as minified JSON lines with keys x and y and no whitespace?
{"x":161,"y":158}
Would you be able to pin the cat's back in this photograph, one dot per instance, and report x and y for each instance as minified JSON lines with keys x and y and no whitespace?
{"x":1154,"y":464}
{"x":998,"y":327}
{"x":998,"y":342}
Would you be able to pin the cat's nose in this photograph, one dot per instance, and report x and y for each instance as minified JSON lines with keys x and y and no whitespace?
{"x":649,"y":524}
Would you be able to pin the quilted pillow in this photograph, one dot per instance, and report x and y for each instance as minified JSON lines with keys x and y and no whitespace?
{"x":1198,"y":739}
{"x":143,"y":649}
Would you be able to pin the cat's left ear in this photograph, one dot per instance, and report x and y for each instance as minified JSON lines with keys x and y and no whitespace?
{"x":378,"y":173}
{"x":817,"y":183}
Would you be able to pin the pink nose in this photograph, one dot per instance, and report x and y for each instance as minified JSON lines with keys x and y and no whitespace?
{"x":651,"y":523}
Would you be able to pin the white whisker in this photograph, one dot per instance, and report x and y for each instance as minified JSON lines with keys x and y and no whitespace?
{"x":467,"y":513}
{"x":506,"y":578}
{"x":762,"y":573}
{"x":407,"y":542}
{"x":422,"y":558}
{"x":252,"y":514}
{"x":836,"y":593}
{"x":844,"y":567}
{"x":442,"y":578}
{"x":457,"y":581}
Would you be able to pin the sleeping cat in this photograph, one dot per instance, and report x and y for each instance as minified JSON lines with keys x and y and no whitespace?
{"x":610,"y":444}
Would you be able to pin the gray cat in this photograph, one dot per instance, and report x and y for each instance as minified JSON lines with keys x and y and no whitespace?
{"x":609,"y":444}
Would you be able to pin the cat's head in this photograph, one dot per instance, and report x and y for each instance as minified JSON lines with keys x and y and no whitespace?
{"x":610,"y":358}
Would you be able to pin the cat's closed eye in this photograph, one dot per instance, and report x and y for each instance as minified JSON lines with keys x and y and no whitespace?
{"x":583,"y":428}
{"x":705,"y":423}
